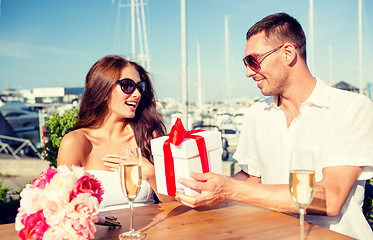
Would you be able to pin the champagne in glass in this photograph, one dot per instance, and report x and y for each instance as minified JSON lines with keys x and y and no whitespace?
{"x":130,"y":174}
{"x":130,"y":179}
{"x":302,"y":181}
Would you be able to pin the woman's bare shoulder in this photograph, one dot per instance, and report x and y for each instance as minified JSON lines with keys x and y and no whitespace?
{"x":74,"y":148}
{"x":78,"y":136}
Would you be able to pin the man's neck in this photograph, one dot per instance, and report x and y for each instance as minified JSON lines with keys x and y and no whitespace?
{"x":295,"y":95}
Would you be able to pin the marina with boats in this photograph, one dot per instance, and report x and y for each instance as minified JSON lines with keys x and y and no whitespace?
{"x":23,"y":119}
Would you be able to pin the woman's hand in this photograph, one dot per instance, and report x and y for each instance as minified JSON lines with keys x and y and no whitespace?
{"x":112,"y":162}
{"x":148,"y":173}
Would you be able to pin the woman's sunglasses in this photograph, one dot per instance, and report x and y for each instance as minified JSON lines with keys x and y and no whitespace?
{"x":128,"y":86}
{"x":253,"y":62}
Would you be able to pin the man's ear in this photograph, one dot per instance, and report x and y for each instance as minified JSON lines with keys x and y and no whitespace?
{"x":290,"y":54}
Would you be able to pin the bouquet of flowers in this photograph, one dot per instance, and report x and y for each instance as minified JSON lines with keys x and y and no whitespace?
{"x":62,"y":203}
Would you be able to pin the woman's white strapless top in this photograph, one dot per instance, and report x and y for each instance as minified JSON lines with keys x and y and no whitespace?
{"x":114,"y":198}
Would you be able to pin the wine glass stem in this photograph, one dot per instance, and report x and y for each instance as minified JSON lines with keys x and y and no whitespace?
{"x":131,"y":215}
{"x":301,"y":219}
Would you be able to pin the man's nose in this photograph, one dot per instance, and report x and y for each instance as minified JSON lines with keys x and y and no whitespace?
{"x":249,"y":72}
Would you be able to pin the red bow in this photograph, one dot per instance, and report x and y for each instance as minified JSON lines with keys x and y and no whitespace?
{"x":176,"y":137}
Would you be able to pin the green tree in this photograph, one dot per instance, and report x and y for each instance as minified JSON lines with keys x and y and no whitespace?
{"x":9,"y":204}
{"x":56,"y":127}
{"x":368,"y":202}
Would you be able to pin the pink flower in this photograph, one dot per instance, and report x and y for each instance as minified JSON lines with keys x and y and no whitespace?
{"x":35,"y":226}
{"x":57,"y":233}
{"x":61,"y":204}
{"x":84,"y":206}
{"x":54,"y":211}
{"x":81,"y":228}
{"x":45,"y":177}
{"x":87,"y":184}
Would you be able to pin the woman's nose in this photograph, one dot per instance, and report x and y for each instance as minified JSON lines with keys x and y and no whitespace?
{"x":136,"y":93}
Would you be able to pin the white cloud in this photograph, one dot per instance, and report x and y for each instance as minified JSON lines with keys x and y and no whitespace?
{"x":29,"y":51}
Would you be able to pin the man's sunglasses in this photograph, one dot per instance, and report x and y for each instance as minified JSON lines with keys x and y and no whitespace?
{"x":128,"y":86}
{"x":253,"y":62}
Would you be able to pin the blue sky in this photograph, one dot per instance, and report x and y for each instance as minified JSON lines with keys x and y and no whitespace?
{"x":50,"y":43}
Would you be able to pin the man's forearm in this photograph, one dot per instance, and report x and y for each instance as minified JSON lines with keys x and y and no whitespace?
{"x":242,"y":176}
{"x":273,"y":197}
{"x":318,"y":204}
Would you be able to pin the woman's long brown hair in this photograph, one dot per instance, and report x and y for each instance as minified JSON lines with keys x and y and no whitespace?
{"x":100,"y":80}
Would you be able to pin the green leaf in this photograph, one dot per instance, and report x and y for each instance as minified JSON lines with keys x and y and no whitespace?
{"x":56,"y":127}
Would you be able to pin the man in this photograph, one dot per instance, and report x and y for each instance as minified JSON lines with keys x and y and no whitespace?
{"x":301,"y":112}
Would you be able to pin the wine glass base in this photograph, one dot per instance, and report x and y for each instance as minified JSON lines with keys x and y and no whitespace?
{"x":131,"y":235}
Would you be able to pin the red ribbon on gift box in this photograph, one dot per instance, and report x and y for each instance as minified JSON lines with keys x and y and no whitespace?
{"x":176,"y":137}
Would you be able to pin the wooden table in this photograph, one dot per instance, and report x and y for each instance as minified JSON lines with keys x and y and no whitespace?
{"x":227,"y":220}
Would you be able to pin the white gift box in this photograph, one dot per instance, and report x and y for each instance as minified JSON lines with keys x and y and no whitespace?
{"x":186,"y":159}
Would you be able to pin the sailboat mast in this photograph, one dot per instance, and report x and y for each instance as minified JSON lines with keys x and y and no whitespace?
{"x":312,"y":46}
{"x":137,"y":17}
{"x":227,"y":61}
{"x":360,"y":48}
{"x":133,"y":30}
{"x":145,"y":36}
{"x":331,"y":65}
{"x":141,"y":57}
{"x":184,"y":79}
{"x":199,"y":79}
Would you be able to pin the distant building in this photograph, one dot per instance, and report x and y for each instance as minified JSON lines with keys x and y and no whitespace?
{"x":57,"y":95}
{"x":43,"y":96}
{"x":347,"y":87}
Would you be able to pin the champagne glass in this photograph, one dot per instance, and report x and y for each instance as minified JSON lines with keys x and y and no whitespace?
{"x":130,"y":179}
{"x":302,"y":181}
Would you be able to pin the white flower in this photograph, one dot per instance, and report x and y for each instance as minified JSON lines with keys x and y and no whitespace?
{"x":59,"y":233}
{"x":61,"y":185}
{"x":32,"y":200}
{"x":19,"y":226}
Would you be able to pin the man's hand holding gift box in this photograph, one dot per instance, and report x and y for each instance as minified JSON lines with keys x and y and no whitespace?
{"x":181,"y":152}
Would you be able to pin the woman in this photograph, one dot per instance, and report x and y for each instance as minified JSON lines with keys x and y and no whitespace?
{"x":118,"y":109}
